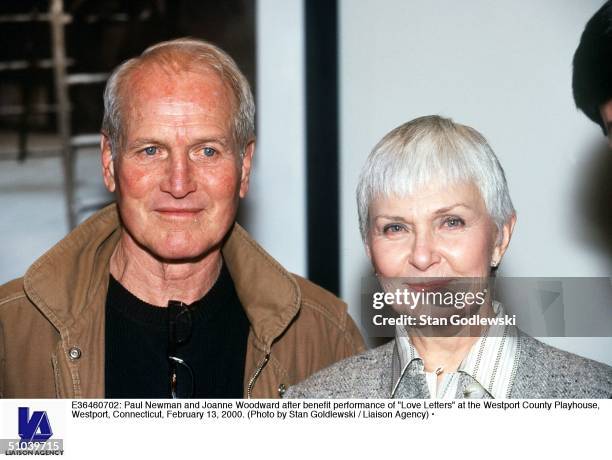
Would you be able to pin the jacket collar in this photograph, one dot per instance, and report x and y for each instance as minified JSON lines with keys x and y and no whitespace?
{"x":488,"y":368}
{"x":269,"y":294}
{"x":63,"y":283}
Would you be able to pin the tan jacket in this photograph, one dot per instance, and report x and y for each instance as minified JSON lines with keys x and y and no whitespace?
{"x":52,"y":319}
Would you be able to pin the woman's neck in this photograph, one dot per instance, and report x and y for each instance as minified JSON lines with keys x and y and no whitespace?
{"x":442,"y":354}
{"x":443,"y":349}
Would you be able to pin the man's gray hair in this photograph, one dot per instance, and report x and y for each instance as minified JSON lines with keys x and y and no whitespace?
{"x":182,"y":54}
{"x":432,"y":150}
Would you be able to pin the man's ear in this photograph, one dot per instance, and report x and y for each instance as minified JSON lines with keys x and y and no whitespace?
{"x":108,"y":165}
{"x":503,"y":241}
{"x":247,"y":163}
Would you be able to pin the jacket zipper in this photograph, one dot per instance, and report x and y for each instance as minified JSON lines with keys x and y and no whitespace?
{"x":262,"y":364}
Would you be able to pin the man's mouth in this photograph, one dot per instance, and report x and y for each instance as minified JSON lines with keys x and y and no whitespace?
{"x":177,"y":212}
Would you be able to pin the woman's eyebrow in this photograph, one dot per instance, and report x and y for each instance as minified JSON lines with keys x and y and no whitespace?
{"x":443,"y":210}
{"x":388,"y":217}
{"x":451,"y":207}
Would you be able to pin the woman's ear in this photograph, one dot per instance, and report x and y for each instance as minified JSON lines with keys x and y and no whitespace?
{"x":366,"y":244}
{"x":367,"y":250}
{"x":503,"y":241}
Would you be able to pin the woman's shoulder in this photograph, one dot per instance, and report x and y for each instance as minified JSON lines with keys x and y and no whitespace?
{"x":360,"y":376}
{"x":544,"y":371}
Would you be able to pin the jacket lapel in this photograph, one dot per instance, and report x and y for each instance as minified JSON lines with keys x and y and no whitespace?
{"x":269,"y":294}
{"x":68,"y":285}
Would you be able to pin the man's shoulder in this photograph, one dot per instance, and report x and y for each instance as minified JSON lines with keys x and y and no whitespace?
{"x":360,"y":376}
{"x":11,"y":291}
{"x":322,"y":311}
{"x":320,"y":300}
{"x":16,"y":308}
{"x":65,"y":257}
{"x":547,"y":371}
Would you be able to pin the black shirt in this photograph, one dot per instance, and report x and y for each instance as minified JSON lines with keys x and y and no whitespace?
{"x":136,"y":345}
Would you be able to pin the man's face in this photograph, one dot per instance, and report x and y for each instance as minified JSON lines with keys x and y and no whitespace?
{"x":606,"y":116}
{"x":178,"y":175}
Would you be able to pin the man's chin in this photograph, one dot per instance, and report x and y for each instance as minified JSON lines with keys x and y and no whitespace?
{"x":181,"y":255}
{"x":176,"y":247}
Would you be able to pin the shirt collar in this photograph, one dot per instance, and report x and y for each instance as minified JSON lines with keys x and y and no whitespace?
{"x":491,"y":361}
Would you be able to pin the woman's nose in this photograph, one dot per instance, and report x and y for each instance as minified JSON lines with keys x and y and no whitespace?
{"x":424,"y":252}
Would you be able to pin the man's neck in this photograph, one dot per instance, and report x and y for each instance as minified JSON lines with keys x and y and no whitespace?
{"x":155,"y":281}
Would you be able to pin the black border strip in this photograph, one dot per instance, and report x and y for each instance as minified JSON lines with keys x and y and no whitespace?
{"x":322,"y":189}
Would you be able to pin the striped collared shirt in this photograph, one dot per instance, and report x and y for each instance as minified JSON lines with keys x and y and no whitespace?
{"x":490,"y":365}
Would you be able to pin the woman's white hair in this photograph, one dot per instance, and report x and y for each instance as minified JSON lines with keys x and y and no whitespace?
{"x":176,"y":55}
{"x":432,"y":150}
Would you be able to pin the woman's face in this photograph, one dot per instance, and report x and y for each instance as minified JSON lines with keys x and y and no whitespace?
{"x":440,"y":231}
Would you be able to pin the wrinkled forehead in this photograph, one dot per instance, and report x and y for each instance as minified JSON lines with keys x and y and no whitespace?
{"x":177,"y":106}
{"x":153,"y":80}
{"x":174,"y":89}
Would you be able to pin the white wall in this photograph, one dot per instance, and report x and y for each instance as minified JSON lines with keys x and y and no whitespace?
{"x":504,"y":68}
{"x":275,"y":209}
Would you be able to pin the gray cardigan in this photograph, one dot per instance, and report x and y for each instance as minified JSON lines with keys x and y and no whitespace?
{"x":542,"y":372}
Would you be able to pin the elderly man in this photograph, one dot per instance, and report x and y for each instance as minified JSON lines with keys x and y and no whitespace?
{"x":592,"y":79}
{"x":163,"y":294}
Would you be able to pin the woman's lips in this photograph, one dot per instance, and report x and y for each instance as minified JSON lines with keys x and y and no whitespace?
{"x":434,"y":285}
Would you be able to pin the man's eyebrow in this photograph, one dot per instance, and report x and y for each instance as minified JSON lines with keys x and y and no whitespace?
{"x":224,"y":141}
{"x":142,"y":141}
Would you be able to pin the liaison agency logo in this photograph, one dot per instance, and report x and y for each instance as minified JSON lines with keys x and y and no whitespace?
{"x":34,"y":428}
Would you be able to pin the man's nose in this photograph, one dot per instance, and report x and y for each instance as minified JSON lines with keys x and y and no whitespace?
{"x":179,"y":180}
{"x":424,"y":253}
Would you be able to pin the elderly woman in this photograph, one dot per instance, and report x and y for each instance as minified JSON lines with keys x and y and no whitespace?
{"x":434,"y":206}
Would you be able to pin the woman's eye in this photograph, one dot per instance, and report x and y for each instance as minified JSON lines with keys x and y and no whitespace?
{"x":393,"y":228}
{"x":209,"y":151}
{"x":454,"y":222}
{"x":150,"y":151}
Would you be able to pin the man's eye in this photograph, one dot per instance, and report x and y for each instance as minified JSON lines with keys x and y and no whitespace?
{"x":209,"y":151}
{"x":454,"y":222}
{"x":150,"y":151}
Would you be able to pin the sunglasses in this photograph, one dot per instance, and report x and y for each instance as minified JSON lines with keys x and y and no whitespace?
{"x":180,"y":325}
